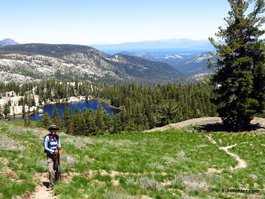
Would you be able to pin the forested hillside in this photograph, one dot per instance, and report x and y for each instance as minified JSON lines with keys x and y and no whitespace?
{"x":140,"y":107}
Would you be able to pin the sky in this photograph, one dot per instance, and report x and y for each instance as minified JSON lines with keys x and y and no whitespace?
{"x":88,"y":22}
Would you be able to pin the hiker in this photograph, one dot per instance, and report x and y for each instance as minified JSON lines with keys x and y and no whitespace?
{"x":52,"y":144}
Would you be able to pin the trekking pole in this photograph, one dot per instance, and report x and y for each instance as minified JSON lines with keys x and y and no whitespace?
{"x":58,"y":158}
{"x":57,"y":166}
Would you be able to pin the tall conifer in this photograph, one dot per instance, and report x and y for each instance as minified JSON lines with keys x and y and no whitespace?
{"x":46,"y":120}
{"x":56,"y":118}
{"x":68,"y":119}
{"x":240,"y":72}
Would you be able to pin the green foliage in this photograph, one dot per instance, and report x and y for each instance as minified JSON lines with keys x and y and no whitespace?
{"x":41,"y":166}
{"x":26,"y":121}
{"x":170,"y":164}
{"x":8,"y":144}
{"x":240,"y":65}
{"x":46,"y":120}
{"x":67,"y":119}
{"x":56,"y":118}
{"x":150,"y":183}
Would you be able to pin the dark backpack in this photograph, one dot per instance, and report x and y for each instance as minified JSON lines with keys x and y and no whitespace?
{"x":45,"y":151}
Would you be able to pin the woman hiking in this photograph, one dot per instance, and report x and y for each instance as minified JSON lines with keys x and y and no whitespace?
{"x":52,"y":144}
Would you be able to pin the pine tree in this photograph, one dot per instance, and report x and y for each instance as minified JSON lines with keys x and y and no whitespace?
{"x":67,"y":118}
{"x":46,"y":120}
{"x":56,"y":118}
{"x":90,"y":125}
{"x":26,"y":121}
{"x":99,"y":116}
{"x":79,"y":123}
{"x":117,"y":124}
{"x":6,"y":109}
{"x":240,"y":72}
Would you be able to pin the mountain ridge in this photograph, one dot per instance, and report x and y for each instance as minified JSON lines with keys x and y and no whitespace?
{"x":186,"y":64}
{"x":71,"y":62}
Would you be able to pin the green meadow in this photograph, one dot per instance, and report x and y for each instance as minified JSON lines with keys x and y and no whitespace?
{"x":179,"y":163}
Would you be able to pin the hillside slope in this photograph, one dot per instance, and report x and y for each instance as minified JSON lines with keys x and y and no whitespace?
{"x":169,"y":164}
{"x":70,"y":62}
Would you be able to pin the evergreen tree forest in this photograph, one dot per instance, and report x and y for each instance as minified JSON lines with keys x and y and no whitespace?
{"x":141,"y":107}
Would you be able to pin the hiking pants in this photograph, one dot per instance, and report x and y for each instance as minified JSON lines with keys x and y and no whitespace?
{"x":52,"y":171}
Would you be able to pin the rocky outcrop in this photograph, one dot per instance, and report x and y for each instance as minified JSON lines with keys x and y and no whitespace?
{"x":16,"y":109}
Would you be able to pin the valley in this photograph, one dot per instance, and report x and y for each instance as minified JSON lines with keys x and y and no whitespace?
{"x":35,"y":62}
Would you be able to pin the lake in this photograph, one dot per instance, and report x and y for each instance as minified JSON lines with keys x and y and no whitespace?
{"x":91,"y":104}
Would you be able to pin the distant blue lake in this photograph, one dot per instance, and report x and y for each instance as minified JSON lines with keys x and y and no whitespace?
{"x":91,"y":104}
{"x":163,"y":51}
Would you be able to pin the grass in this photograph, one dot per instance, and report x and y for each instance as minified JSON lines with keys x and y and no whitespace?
{"x":169,"y":164}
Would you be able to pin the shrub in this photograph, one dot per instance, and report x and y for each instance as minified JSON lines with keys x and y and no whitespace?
{"x":130,"y":180}
{"x":41,"y":166}
{"x":199,"y":182}
{"x":69,"y":160}
{"x":78,"y":142}
{"x":8,"y":144}
{"x":150,"y":183}
{"x":16,"y":132}
{"x":112,"y":195}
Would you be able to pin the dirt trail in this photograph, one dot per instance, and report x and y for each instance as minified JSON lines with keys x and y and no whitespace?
{"x":241,"y":163}
{"x":201,"y":121}
{"x":42,"y":191}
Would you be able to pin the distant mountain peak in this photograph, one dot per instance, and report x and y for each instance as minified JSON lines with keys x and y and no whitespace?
{"x":8,"y":41}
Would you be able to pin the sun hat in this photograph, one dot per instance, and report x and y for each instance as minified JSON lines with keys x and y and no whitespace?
{"x":53,"y":127}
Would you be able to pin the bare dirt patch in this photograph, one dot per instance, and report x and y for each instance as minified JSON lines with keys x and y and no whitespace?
{"x":196,"y":121}
{"x":206,"y":123}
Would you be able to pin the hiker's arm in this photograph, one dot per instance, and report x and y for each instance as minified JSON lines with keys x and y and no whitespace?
{"x":58,"y":146}
{"x":59,"y":143}
{"x":46,"y":145}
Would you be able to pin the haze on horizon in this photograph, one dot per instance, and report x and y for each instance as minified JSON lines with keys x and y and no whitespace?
{"x":88,"y":22}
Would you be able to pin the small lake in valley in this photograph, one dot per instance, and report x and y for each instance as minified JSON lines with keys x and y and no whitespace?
{"x":91,"y":104}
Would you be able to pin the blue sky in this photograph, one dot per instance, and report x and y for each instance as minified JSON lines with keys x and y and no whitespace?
{"x":89,"y":22}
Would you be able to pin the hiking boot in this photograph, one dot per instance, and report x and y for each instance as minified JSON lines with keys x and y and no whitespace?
{"x":50,"y":188}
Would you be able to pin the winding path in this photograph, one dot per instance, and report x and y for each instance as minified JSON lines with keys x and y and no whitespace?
{"x":241,"y":163}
